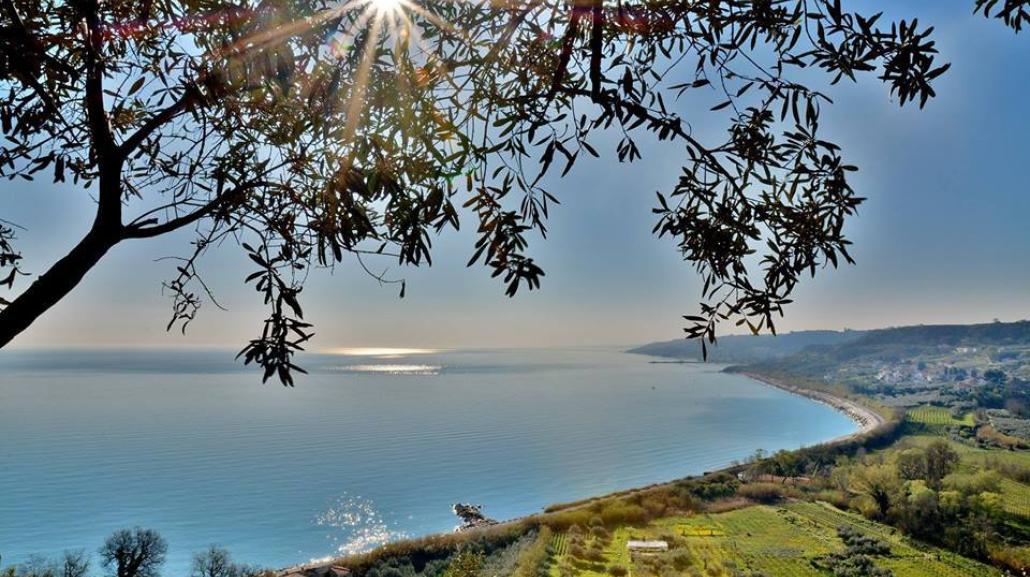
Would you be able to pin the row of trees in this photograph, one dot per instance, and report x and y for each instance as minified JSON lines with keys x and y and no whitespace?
{"x":856,"y":560}
{"x":134,"y":552}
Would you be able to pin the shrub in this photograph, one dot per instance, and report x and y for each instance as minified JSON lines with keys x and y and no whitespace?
{"x":1011,"y":470}
{"x":430,"y":548}
{"x":681,"y":560}
{"x":762,"y":492}
{"x":465,"y":564}
{"x":860,"y":544}
{"x":717,"y":486}
{"x":972,"y":484}
{"x":1015,"y":560}
{"x":672,"y":539}
{"x":618,"y":571}
{"x":654,"y":505}
{"x":618,"y":513}
{"x":533,"y":560}
{"x":838,"y":499}
{"x":595,"y":555}
{"x":565,"y":520}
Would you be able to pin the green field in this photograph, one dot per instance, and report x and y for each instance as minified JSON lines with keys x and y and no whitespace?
{"x":560,"y":544}
{"x":973,"y":456}
{"x":776,"y":541}
{"x":937,"y":418}
{"x":1016,"y":497}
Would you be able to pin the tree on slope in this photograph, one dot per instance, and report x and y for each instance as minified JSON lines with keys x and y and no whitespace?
{"x":134,"y":553}
{"x":318,"y":132}
{"x":881,"y":485}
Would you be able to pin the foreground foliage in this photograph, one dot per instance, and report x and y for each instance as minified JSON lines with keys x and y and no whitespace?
{"x":136,"y":552}
{"x":313,"y":132}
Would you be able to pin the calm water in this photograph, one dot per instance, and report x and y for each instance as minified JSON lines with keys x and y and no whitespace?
{"x":366,"y":448}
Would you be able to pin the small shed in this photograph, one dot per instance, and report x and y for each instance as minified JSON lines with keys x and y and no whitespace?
{"x":647,"y":546}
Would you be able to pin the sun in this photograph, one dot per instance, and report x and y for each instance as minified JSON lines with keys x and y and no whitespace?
{"x":387,"y":6}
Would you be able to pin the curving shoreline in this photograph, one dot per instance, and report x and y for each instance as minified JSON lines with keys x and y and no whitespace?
{"x":867,"y":419}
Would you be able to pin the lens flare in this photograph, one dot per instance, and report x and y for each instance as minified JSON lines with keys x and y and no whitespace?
{"x":387,"y":6}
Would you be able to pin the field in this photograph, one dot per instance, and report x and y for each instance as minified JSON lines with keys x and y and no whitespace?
{"x":973,"y":456}
{"x":1016,"y":497}
{"x":934,"y":418}
{"x":775,"y":541}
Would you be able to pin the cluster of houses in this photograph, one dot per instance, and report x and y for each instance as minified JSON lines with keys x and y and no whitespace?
{"x":903,"y":374}
{"x":913,"y":373}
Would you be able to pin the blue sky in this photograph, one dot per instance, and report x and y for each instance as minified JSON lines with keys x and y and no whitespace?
{"x":943,"y":237}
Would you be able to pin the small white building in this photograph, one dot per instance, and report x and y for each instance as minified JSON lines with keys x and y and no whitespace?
{"x":647,"y":546}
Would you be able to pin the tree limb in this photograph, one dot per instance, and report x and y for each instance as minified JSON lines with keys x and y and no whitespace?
{"x":223,"y":199}
{"x":190,"y":97}
{"x":99,"y":124}
{"x":566,"y":50}
{"x":596,"y":48}
{"x":608,"y":99}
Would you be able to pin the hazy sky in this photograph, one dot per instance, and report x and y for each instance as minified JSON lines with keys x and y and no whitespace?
{"x":943,"y":237}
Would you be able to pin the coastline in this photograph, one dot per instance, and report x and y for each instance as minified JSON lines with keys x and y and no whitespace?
{"x":867,"y":420}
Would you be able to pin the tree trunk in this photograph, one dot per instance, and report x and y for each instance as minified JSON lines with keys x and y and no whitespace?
{"x":54,"y":284}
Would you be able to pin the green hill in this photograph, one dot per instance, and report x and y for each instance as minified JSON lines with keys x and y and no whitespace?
{"x":971,"y":348}
{"x":748,"y":348}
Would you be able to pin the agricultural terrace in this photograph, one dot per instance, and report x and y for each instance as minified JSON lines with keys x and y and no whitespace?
{"x":793,"y":540}
{"x":937,"y":418}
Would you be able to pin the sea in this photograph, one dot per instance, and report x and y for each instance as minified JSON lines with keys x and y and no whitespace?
{"x":371,"y":446}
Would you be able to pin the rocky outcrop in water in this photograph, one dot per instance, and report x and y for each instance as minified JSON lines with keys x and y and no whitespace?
{"x":471,"y":516}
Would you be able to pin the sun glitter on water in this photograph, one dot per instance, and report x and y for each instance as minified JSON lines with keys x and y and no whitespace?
{"x":355,"y":525}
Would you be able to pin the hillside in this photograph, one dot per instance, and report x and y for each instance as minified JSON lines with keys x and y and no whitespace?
{"x":936,"y":490}
{"x":748,"y":348}
{"x":911,"y":365}
{"x":1002,"y":340}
